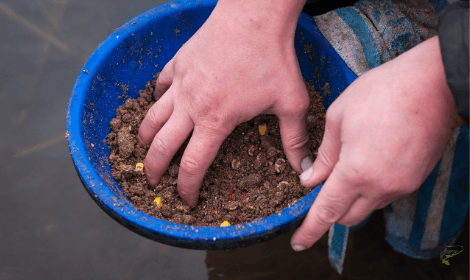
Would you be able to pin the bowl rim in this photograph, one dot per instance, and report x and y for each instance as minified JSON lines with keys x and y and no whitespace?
{"x":197,"y":237}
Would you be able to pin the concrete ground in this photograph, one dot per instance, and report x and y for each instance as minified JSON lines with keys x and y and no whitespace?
{"x":50,"y":227}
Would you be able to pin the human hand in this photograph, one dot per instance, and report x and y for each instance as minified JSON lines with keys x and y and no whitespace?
{"x":383,"y":137}
{"x":239,"y":64}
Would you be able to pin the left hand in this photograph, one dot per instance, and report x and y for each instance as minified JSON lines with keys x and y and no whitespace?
{"x":239,"y":64}
{"x":383,"y":137}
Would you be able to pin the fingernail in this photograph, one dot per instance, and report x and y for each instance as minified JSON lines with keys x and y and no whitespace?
{"x":306,"y":175}
{"x":298,"y":248}
{"x":306,"y":163}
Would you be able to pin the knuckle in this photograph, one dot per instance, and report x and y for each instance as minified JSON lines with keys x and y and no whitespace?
{"x":304,"y":104}
{"x":160,"y":84}
{"x":215,"y":123}
{"x":297,"y":141}
{"x":362,"y":171}
{"x":213,"y":120}
{"x":327,"y":215}
{"x":363,"y":174}
{"x":152,"y":118}
{"x":325,"y":158}
{"x":190,"y":164}
{"x":160,"y":146}
{"x":297,"y":107}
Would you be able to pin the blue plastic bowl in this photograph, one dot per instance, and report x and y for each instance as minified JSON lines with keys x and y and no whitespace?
{"x":121,"y":66}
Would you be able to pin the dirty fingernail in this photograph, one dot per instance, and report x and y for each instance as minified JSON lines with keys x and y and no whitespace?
{"x":306,"y":163}
{"x":306,"y":175}
{"x":298,"y":248}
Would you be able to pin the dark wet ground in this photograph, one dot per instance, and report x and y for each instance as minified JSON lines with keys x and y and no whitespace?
{"x":51,"y":228}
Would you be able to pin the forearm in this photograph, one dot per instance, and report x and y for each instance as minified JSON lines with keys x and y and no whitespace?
{"x":272,"y":17}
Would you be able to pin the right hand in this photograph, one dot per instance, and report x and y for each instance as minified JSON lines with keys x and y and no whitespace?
{"x":383,"y":137}
{"x":239,"y":64}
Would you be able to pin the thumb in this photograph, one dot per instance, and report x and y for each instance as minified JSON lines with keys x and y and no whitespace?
{"x":294,"y":137}
{"x":328,"y":154}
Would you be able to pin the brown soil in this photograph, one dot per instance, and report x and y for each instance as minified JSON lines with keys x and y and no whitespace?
{"x":249,"y":179}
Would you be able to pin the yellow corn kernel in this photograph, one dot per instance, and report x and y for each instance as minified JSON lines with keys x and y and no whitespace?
{"x":262,"y":128}
{"x":225,"y":224}
{"x":139,"y":166}
{"x":158,"y":202}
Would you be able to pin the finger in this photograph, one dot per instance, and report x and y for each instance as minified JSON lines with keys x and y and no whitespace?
{"x":358,"y":212}
{"x":156,"y":117}
{"x":333,"y":201}
{"x":328,"y":154}
{"x":294,"y":137}
{"x":198,"y":156}
{"x":164,"y":80}
{"x":165,"y":145}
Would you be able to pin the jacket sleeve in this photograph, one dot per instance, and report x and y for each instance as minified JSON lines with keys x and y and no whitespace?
{"x":453,"y":38}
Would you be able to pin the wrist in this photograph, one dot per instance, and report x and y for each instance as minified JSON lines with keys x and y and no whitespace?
{"x":427,"y":69}
{"x":273,"y":18}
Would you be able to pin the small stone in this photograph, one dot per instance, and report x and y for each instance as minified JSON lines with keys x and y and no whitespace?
{"x":272,"y":152}
{"x":279,"y":165}
{"x":231,"y":205}
{"x":125,"y":168}
{"x":283,"y":185}
{"x":266,"y":185}
{"x":236,"y":164}
{"x":253,"y":179}
{"x":184,"y":219}
{"x":159,"y":188}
